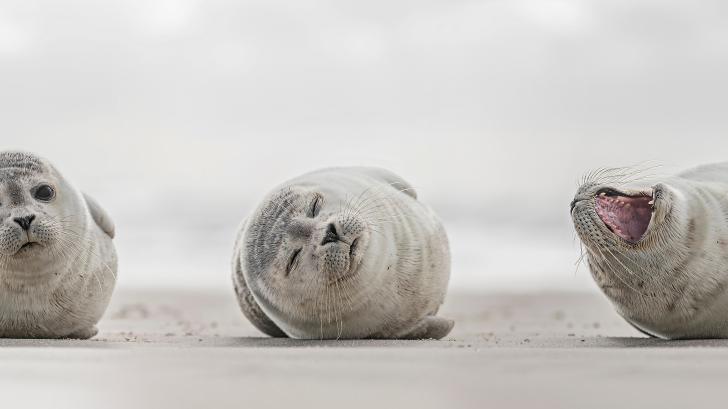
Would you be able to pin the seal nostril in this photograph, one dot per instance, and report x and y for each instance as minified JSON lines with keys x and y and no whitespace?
{"x":332,"y":235}
{"x":24,"y":222}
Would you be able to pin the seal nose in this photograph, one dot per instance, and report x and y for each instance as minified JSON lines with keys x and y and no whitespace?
{"x":24,"y":222}
{"x":331,"y":236}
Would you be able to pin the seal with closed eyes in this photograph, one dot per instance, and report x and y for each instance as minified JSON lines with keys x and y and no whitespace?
{"x":57,"y":259}
{"x":659,"y":249}
{"x":343,"y":253}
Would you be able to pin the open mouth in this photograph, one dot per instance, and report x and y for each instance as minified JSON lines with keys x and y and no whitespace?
{"x":626,"y":216}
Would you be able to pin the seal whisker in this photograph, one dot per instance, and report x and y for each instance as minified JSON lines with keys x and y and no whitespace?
{"x":355,"y":203}
{"x":375,"y":196}
{"x":622,"y":175}
{"x":81,"y":240}
{"x":619,"y":276}
{"x":340,"y":319}
{"x":646,"y":276}
{"x":580,"y":260}
{"x":68,"y":255}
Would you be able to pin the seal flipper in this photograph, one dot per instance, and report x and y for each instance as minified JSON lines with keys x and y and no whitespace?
{"x":86,"y":333}
{"x":431,"y":328}
{"x":391,"y":179}
{"x":102,"y":219}
{"x":250,"y":307}
{"x":640,"y":329}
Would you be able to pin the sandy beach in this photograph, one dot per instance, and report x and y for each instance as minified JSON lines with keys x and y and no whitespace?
{"x":187,"y":350}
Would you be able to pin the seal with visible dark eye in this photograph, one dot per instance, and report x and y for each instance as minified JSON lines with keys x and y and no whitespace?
{"x":659,"y":249}
{"x":57,"y":259}
{"x":343,"y":253}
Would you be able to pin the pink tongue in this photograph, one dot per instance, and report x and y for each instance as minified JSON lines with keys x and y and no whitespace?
{"x":627,"y":217}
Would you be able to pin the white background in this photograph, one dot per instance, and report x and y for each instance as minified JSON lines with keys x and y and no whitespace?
{"x":179,"y":115}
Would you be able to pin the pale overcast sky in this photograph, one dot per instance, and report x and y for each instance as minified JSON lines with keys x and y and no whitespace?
{"x":491,"y":108}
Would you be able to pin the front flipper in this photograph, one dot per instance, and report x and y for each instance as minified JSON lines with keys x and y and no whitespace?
{"x":86,"y":333}
{"x":102,"y":219}
{"x":431,"y":328}
{"x":635,"y":326}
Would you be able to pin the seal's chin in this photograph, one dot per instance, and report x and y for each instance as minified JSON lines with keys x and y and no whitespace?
{"x":627,"y":216}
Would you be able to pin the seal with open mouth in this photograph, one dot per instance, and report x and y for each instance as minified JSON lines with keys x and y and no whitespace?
{"x":343,"y":253}
{"x":57,"y":259}
{"x":659,"y":249}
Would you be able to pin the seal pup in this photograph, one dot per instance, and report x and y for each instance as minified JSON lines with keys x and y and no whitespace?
{"x":57,"y":260}
{"x":658,"y":248}
{"x":343,"y":253}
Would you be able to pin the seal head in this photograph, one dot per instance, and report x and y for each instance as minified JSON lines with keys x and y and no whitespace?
{"x":31,"y":211}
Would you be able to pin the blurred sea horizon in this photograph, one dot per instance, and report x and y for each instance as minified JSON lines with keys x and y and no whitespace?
{"x":190,"y":242}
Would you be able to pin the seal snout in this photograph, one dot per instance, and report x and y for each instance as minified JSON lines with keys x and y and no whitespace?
{"x":627,"y":216}
{"x":340,"y":245}
{"x":332,"y":236}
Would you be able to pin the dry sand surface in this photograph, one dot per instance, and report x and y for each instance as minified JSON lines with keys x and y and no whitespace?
{"x":194,"y":350}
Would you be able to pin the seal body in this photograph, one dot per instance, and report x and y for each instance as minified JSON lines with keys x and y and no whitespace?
{"x":57,"y":260}
{"x":343,"y":253}
{"x":659,"y":249}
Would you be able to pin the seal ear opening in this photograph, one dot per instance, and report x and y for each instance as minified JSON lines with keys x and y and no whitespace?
{"x":626,"y":216}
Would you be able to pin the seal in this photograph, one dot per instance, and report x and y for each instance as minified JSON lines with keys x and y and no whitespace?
{"x":658,"y":247}
{"x":343,"y":253}
{"x":57,"y":260}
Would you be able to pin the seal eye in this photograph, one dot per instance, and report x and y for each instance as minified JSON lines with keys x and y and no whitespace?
{"x":316,"y":206}
{"x":44,"y":193}
{"x":293,"y":262}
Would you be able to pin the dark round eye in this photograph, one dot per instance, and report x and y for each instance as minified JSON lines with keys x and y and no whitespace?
{"x":316,"y":204}
{"x":44,"y":193}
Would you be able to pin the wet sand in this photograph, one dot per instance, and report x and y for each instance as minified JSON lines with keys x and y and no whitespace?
{"x":189,"y":350}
